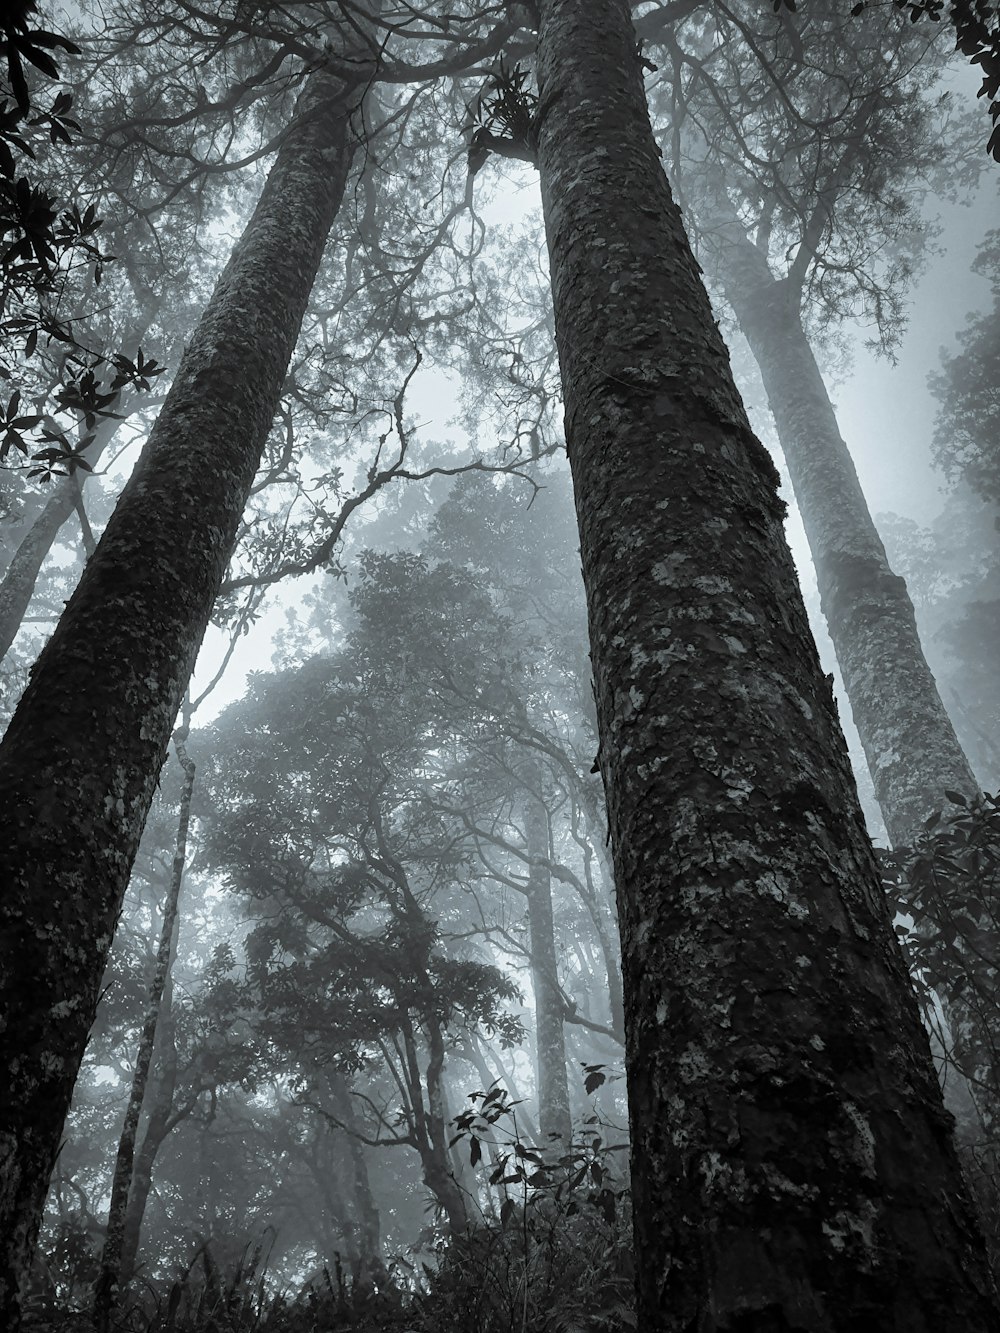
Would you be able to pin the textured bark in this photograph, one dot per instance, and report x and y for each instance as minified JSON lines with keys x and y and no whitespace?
{"x":81,"y":757}
{"x":793,"y":1165}
{"x":550,"y":1041}
{"x":108,"y":1284}
{"x":909,"y":742}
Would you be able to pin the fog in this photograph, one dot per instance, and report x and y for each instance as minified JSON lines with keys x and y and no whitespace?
{"x":525,"y":930}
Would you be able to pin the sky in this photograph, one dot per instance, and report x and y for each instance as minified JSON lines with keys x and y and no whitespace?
{"x":886,"y":411}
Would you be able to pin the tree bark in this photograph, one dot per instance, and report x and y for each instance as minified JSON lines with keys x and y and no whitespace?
{"x":108,"y":1286}
{"x":781,"y":1086}
{"x":81,"y":757}
{"x":550,"y":1041}
{"x":909,"y":742}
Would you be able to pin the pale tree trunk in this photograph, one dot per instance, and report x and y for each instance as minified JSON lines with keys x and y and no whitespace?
{"x":600,"y":905}
{"x":438,"y":1171}
{"x":80,"y":760}
{"x":550,"y":1041}
{"x":108,"y":1286}
{"x":909,"y":742}
{"x":781,"y":1086}
{"x":18,"y":583}
{"x":368,"y":1224}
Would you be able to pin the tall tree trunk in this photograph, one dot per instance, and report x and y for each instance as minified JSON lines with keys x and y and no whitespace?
{"x":160,"y":1124}
{"x":107,"y":1288}
{"x":80,"y":760}
{"x":909,"y":742}
{"x":550,"y":1041}
{"x":368,"y":1223}
{"x":781,"y":1085}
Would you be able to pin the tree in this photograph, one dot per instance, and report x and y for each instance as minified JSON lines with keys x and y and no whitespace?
{"x":79,"y":789}
{"x":780,"y":1082}
{"x":967,"y":429}
{"x":112,"y":1266}
{"x":315,"y":822}
{"x":789,"y":141}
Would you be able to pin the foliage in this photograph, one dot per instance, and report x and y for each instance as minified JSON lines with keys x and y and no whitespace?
{"x":556,"y":1258}
{"x":952,"y":572}
{"x":946,"y":892}
{"x":967,"y":429}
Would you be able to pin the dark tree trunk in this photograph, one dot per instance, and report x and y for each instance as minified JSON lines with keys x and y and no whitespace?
{"x":781,"y":1086}
{"x":161,"y":1123}
{"x":909,"y":742}
{"x":550,"y":1041}
{"x":108,"y":1284}
{"x":81,"y":757}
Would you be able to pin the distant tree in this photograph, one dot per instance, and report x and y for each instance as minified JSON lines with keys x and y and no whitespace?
{"x":952,"y":567}
{"x":787,"y":138}
{"x":108,"y":1284}
{"x":314,"y":823}
{"x":967,"y":429}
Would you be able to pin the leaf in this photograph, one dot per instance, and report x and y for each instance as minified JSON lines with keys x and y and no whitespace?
{"x":475,"y":1151}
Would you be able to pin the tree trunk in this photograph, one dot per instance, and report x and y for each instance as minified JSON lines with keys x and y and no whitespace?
{"x":107,"y":1288}
{"x":368,"y":1224}
{"x":438,"y":1174}
{"x":81,"y":757}
{"x":18,"y":583}
{"x":909,"y":742}
{"x":550,"y":1041}
{"x":160,"y":1124}
{"x":781,"y":1087}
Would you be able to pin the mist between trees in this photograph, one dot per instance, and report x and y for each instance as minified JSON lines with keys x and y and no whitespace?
{"x":466,"y":944}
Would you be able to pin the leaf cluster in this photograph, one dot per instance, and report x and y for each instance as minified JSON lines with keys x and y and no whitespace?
{"x":946,"y":893}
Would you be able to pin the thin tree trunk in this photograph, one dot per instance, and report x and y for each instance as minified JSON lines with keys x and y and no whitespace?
{"x":550,"y":1041}
{"x":781,"y":1086}
{"x":909,"y":742}
{"x":437,"y":1165}
{"x":108,"y":1285}
{"x":160,"y":1124}
{"x":601,"y":907}
{"x":368,"y":1223}
{"x":18,"y":583}
{"x":80,"y":760}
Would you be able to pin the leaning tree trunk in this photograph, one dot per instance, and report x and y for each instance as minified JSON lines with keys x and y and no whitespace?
{"x":909,"y":742}
{"x":109,"y":1279}
{"x":19,"y":578}
{"x":550,"y":1040}
{"x":18,"y":583}
{"x":781,"y":1086}
{"x":81,"y":757}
